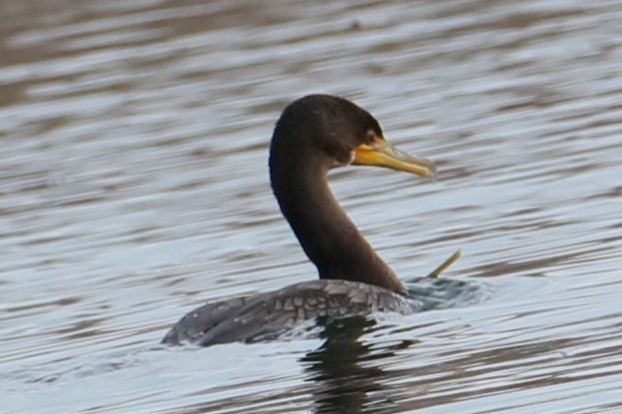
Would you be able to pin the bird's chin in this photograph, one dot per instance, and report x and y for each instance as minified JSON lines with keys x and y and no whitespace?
{"x":338,"y":164}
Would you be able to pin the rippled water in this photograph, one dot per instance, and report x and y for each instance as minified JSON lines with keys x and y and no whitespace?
{"x":133,"y":187}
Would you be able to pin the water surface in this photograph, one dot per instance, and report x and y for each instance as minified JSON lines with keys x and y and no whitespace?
{"x":133,"y":187}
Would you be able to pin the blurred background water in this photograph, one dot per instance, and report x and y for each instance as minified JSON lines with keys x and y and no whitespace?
{"x":133,"y":187}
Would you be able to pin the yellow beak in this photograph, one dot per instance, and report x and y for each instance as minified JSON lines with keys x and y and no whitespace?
{"x":381,"y":154}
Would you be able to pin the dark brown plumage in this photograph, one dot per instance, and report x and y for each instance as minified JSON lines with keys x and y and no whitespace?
{"x":313,"y":135}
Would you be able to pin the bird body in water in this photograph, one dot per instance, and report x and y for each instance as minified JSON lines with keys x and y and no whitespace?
{"x":313,"y":135}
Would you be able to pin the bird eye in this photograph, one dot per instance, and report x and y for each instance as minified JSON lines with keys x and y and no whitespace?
{"x":370,"y":136}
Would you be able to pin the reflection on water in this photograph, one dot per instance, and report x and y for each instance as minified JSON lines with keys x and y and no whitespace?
{"x":344,"y":382}
{"x":133,"y":187}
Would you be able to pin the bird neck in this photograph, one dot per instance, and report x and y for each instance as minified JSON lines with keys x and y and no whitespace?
{"x":326,"y":233}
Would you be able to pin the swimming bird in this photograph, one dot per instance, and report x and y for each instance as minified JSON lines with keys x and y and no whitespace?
{"x":315,"y":134}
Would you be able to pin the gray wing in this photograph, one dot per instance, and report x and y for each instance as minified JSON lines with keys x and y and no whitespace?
{"x":266,"y":316}
{"x":197,"y":322}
